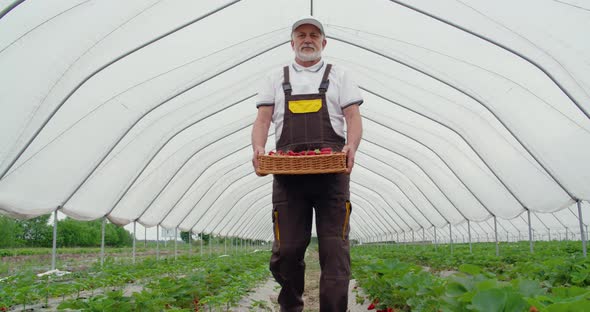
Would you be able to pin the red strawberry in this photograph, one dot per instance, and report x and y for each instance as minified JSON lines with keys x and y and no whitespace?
{"x":371,"y":307}
{"x":533,"y":309}
{"x":279,"y":152}
{"x":310,"y":153}
{"x":326,"y":149}
{"x":291,"y":153}
{"x":271,"y":153}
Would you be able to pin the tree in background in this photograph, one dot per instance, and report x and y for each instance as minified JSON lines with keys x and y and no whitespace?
{"x":10,"y":232}
{"x":204,"y":237}
{"x":37,"y":232}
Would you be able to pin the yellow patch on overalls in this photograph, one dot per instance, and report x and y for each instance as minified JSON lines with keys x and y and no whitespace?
{"x":305,"y":106}
{"x":346,"y":220}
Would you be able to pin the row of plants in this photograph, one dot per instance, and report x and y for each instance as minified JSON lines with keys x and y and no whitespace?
{"x":416,"y":278}
{"x":183,"y":284}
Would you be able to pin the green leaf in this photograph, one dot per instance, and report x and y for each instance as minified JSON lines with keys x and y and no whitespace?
{"x":529,"y":288}
{"x":567,"y":292}
{"x":490,"y":300}
{"x":577,"y":306}
{"x":470,"y":269}
{"x":455,"y":289}
{"x":515,"y":303}
{"x":487,"y":284}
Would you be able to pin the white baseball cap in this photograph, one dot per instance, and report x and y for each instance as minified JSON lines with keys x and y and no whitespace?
{"x":308,"y":20}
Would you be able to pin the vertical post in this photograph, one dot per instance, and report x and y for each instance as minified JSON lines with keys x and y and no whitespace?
{"x":423,"y":236}
{"x":404,"y":239}
{"x":582,"y":236}
{"x":134,"y":239}
{"x":54,"y":249}
{"x":451,"y":236}
{"x":519,"y":236}
{"x":201,"y":244}
{"x":225,"y":245}
{"x":104,"y":221}
{"x":469,"y":236}
{"x":496,"y":236}
{"x":145,"y":237}
{"x":567,"y":234}
{"x":435,"y":242}
{"x":549,"y":233}
{"x":397,"y":237}
{"x":413,"y":240}
{"x":190,"y":244}
{"x":530,"y":231}
{"x":210,"y":243}
{"x":157,"y":242}
{"x":175,"y":242}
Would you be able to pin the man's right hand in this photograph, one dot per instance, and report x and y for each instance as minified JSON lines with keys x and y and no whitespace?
{"x":257,"y":151}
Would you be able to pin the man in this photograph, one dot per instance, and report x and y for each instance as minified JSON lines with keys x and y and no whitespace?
{"x":308,"y":101}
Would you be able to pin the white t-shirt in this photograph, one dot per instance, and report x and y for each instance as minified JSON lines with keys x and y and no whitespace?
{"x":342,"y":92}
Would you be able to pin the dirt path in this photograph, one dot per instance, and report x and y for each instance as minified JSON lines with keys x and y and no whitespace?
{"x":264,"y":298}
{"x":311,"y":294}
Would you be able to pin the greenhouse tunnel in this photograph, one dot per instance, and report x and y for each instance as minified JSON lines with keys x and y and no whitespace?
{"x":476,"y":120}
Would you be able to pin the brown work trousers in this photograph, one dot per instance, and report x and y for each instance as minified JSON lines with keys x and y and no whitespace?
{"x":294,"y":197}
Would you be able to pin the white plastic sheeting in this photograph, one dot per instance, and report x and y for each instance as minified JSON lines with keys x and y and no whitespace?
{"x":142,"y":110}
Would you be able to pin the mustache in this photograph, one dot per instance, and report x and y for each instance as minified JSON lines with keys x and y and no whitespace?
{"x":307,"y":46}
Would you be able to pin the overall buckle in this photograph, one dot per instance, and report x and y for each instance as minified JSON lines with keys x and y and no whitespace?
{"x":287,"y":87}
{"x":324,"y":86}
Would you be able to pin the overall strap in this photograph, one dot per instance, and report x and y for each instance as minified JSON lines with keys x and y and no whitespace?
{"x":325,"y":82}
{"x":286,"y":84}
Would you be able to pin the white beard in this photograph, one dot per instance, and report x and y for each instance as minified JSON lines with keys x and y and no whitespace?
{"x":308,"y":57}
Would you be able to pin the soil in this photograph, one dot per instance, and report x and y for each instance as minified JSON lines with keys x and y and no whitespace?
{"x":264,"y":298}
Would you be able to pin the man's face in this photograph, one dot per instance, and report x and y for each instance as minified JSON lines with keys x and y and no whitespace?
{"x":308,"y":43}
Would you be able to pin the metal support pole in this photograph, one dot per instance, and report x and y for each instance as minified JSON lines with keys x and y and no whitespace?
{"x":549,"y":234}
{"x":210,"y":243}
{"x":496,"y":236}
{"x":134,"y":239}
{"x":413,"y":240}
{"x":530,"y":231}
{"x":190,"y":244}
{"x":567,"y":234}
{"x":423,"y":237}
{"x":175,"y":242}
{"x":145,"y":237}
{"x":451,"y":237}
{"x":104,"y":221}
{"x":582,"y":236}
{"x":201,"y":244}
{"x":404,"y":238}
{"x":435,"y":242}
{"x":157,"y":242}
{"x":54,"y":249}
{"x":469,"y":236}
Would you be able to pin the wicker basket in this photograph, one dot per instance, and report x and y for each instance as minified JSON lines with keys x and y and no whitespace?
{"x":309,"y":164}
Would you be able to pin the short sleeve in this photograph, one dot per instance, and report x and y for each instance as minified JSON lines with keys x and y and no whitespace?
{"x":266,"y":93}
{"x":350,"y":93}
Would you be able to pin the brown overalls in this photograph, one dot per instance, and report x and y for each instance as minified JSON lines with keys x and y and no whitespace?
{"x":306,"y":126}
